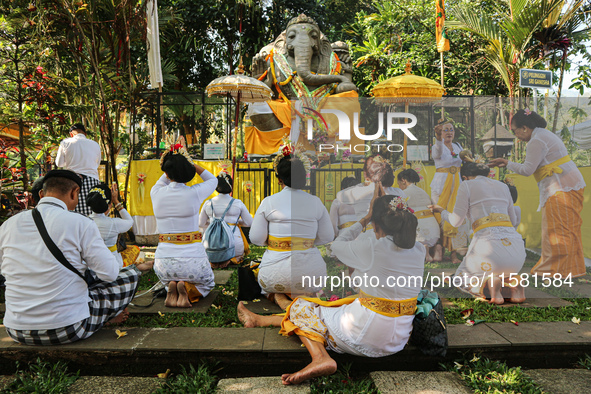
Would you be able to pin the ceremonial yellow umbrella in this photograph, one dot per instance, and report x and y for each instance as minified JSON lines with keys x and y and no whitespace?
{"x":407,"y":88}
{"x":242,"y":88}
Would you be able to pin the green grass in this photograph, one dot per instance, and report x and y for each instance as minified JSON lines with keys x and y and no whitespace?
{"x":199,"y":381}
{"x":343,"y":382}
{"x":581,"y":309}
{"x":221,"y":314}
{"x":42,"y":377}
{"x":585,"y":362}
{"x":489,"y":376}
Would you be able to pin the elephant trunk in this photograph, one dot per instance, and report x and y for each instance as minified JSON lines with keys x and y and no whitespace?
{"x":303,"y":61}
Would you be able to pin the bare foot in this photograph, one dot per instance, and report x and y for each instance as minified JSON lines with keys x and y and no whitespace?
{"x":172,"y":296}
{"x":438,"y":255}
{"x":183,"y":299}
{"x":119,"y":319}
{"x":454,"y":258}
{"x":145,"y":267}
{"x":246,"y":317}
{"x":517,"y":294}
{"x":496,"y":297}
{"x":428,"y":257}
{"x":322,"y":367}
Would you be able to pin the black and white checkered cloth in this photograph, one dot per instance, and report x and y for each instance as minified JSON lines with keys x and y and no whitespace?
{"x":88,"y":183}
{"x":107,"y":300}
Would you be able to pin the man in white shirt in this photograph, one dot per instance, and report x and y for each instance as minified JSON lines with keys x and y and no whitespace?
{"x":46,"y":303}
{"x":82,"y":156}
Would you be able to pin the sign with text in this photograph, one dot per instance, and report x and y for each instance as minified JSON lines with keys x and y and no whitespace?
{"x":540,"y":79}
{"x":214,"y":151}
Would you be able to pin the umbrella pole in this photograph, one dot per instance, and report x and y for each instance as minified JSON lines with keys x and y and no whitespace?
{"x":404,"y":156}
{"x":235,"y":134}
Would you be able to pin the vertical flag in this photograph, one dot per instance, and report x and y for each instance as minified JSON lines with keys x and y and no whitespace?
{"x":153,"y":41}
{"x":441,"y":34}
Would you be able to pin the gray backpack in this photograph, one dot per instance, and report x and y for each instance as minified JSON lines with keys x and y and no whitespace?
{"x":218,"y":239}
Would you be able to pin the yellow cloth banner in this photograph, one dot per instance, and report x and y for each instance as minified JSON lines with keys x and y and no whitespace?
{"x":550,"y":169}
{"x":139,"y":206}
{"x":440,"y":32}
{"x":263,"y":142}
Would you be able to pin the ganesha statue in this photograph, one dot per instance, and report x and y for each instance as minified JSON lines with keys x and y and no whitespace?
{"x":303,"y":69}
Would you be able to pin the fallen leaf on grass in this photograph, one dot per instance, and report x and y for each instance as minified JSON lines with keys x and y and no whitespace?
{"x":514,"y":322}
{"x":458,"y":365}
{"x":256,"y":300}
{"x":474,"y":359}
{"x":120,"y":333}
{"x":164,"y":375}
{"x":576,"y":320}
{"x":265,"y":309}
{"x":161,"y":314}
{"x":215,"y":306}
{"x":583,"y":280}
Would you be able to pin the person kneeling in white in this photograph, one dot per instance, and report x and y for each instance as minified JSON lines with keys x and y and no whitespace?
{"x":363,"y":325}
{"x":46,"y":303}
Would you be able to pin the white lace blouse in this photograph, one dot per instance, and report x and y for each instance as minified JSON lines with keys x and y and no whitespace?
{"x":543,"y":148}
{"x":480,"y":197}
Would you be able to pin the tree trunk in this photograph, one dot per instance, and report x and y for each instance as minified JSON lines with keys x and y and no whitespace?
{"x":558,"y":96}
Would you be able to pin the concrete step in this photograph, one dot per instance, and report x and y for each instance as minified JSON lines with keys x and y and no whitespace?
{"x":115,"y":385}
{"x":561,"y":381}
{"x":263,"y":352}
{"x":260,"y":385}
{"x":405,"y":382}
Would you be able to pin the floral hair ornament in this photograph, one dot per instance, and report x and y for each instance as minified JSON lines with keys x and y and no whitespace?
{"x":177,"y":149}
{"x":286,"y":149}
{"x":527,"y":112}
{"x":101,"y":192}
{"x":399,"y":204}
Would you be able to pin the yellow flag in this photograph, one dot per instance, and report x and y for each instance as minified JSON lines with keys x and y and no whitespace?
{"x":440,"y":33}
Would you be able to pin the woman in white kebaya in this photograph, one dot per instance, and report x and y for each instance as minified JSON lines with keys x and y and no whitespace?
{"x":364,"y":325}
{"x":444,"y":188}
{"x":180,"y":259}
{"x":236,"y":216}
{"x":496,"y":253}
{"x":290,"y":223}
{"x":428,"y":229}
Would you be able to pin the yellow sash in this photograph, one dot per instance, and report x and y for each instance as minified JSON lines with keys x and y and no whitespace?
{"x":550,"y":169}
{"x":113,"y":248}
{"x":425,"y":213}
{"x":286,"y":244}
{"x":345,"y":225}
{"x":492,"y":220}
{"x":447,"y":199}
{"x":383,"y":306}
{"x":181,"y":238}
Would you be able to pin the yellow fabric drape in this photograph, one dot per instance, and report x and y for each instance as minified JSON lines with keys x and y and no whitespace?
{"x":151,"y":168}
{"x":244,"y":241}
{"x":440,"y":33}
{"x":113,"y":248}
{"x":263,"y":142}
{"x":551,"y":169}
{"x":447,"y":200}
